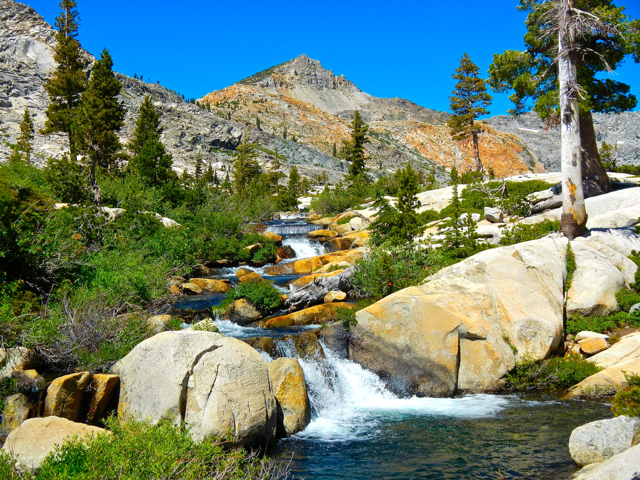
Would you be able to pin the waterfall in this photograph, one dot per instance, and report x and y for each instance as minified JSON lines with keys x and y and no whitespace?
{"x":304,"y":246}
{"x":349,"y":401}
{"x":293,"y":228}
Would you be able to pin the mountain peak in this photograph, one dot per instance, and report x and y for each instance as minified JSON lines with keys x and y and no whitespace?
{"x":300,"y":71}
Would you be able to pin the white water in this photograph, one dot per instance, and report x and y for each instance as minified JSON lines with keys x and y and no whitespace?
{"x":348,"y":401}
{"x":304,"y":246}
{"x":230,"y":329}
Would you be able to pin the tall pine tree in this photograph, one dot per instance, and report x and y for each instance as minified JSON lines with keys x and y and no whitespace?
{"x":23,"y":148}
{"x":149,"y":160}
{"x":468,"y":102}
{"x":353,"y":149}
{"x":245,"y":169}
{"x":101,"y":116}
{"x":69,"y":79}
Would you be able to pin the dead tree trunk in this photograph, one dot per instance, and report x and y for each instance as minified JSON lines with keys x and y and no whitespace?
{"x":574,"y":215}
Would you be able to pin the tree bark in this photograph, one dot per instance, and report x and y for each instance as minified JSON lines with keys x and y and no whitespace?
{"x":476,"y":151}
{"x":594,"y":177}
{"x":574,"y":214}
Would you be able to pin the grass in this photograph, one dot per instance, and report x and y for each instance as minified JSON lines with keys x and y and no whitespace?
{"x":556,"y":372}
{"x":140,"y":451}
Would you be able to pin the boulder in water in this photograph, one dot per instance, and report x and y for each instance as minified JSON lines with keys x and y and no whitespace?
{"x":290,"y":390}
{"x":252,"y":277}
{"x":285,"y":252}
{"x":337,"y":244}
{"x":318,"y":288}
{"x":623,"y":466}
{"x":243,"y":312}
{"x":322,"y":234}
{"x":214,"y":384}
{"x":459,"y":330}
{"x":274,"y":237}
{"x":242,"y":271}
{"x":598,"y":441}
{"x":335,"y":296}
{"x":318,"y":315}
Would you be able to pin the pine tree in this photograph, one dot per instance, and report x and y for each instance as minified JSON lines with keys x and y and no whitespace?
{"x":149,"y":161}
{"x":293,"y":186}
{"x":69,"y":79}
{"x":258,"y":123}
{"x":353,"y":149}
{"x":400,"y":225}
{"x":23,"y":148}
{"x":100,"y":118}
{"x":245,"y":169}
{"x":334,"y":150}
{"x":408,"y":223}
{"x":468,"y":102}
{"x":454,"y":236}
{"x":533,"y":74}
{"x":208,"y":176}
{"x":198,"y":169}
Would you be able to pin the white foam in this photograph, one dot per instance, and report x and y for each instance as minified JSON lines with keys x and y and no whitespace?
{"x":349,"y":401}
{"x":303,"y":246}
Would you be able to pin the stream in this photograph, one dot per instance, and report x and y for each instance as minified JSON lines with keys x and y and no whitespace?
{"x":361,"y":430}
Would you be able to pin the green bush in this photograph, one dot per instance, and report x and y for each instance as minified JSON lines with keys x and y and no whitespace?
{"x":556,"y":372}
{"x":524,"y":233}
{"x":139,"y":451}
{"x":263,"y":295}
{"x":388,"y":269}
{"x":627,"y":401}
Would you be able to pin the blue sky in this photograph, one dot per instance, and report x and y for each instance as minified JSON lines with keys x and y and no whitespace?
{"x":389,"y":49}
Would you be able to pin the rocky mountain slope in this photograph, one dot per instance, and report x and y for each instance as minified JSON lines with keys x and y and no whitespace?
{"x":301,"y":100}
{"x":26,"y":60}
{"x":298,"y":109}
{"x":619,"y":130}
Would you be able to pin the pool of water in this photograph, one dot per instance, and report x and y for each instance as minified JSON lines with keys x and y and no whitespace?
{"x":361,"y":430}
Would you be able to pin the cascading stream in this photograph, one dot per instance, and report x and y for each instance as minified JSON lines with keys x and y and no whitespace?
{"x":348,"y":401}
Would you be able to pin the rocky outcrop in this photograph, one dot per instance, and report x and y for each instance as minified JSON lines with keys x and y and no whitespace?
{"x":316,"y":290}
{"x":621,"y":358}
{"x":313,"y":264}
{"x":465,"y":327}
{"x":37,"y":437}
{"x":104,"y":388}
{"x":623,"y":466}
{"x":318,"y":315}
{"x":216,"y":385}
{"x":65,"y":396}
{"x":622,"y":131}
{"x":598,"y":441}
{"x":290,"y":390}
{"x":595,"y":283}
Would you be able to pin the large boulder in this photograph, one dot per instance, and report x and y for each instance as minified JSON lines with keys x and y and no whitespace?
{"x":623,"y":466}
{"x":210,"y":285}
{"x":65,"y":396}
{"x":618,"y":360}
{"x":317,"y":315}
{"x":243,"y":312}
{"x":596,"y":281}
{"x":290,"y":389}
{"x":37,"y":437}
{"x":598,"y":441}
{"x":216,"y":385}
{"x":465,"y":327}
{"x":310,"y":265}
{"x":104,"y":387}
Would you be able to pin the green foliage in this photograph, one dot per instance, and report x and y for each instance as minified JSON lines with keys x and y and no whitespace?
{"x":577,"y":323}
{"x":100,"y":118}
{"x":627,"y":298}
{"x":571,"y":267}
{"x":468,"y":103}
{"x":387,"y":269}
{"x":149,"y":160}
{"x":263,"y":295}
{"x":627,"y":401}
{"x":140,"y":451}
{"x":402,"y":224}
{"x":347,"y":316}
{"x":67,"y":180}
{"x":22,"y":150}
{"x":339,"y":199}
{"x":532,"y":73}
{"x":555,"y":372}
{"x":353,"y":149}
{"x":524,"y":233}
{"x":8,"y":387}
{"x":69,"y":80}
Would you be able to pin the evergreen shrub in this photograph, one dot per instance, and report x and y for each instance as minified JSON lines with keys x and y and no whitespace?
{"x":556,"y":372}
